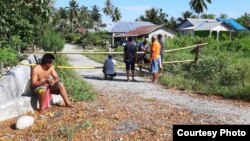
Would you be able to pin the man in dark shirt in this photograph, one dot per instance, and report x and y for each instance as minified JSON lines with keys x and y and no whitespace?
{"x":129,"y":56}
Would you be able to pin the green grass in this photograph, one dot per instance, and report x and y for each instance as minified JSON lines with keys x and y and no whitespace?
{"x":77,"y":88}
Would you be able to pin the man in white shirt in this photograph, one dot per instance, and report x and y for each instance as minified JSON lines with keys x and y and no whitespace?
{"x":109,"y":68}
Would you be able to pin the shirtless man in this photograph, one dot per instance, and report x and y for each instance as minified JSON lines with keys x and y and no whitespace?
{"x":44,"y":76}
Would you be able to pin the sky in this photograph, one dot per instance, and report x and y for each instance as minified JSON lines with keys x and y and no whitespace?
{"x":132,"y":9}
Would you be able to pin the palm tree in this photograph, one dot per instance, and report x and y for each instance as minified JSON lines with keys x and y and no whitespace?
{"x":244,"y":20}
{"x":85,"y":19}
{"x":73,"y":12}
{"x":108,"y":8}
{"x":173,"y":22}
{"x":154,"y":15}
{"x":95,"y":14}
{"x":116,"y":16}
{"x":223,"y":16}
{"x":60,"y":18}
{"x":199,"y":5}
{"x":185,"y":15}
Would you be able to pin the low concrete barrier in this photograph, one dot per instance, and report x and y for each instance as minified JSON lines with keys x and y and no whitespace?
{"x":15,"y":92}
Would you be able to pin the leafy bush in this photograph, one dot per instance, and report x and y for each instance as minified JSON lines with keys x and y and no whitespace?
{"x":224,"y":69}
{"x":8,"y":57}
{"x":52,"y":41}
{"x":96,"y":39}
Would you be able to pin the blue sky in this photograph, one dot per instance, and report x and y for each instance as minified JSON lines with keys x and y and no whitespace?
{"x":132,"y":9}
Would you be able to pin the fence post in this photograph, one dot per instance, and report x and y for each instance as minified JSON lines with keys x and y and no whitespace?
{"x":197,"y":54}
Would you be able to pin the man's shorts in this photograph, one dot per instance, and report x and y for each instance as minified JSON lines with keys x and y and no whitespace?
{"x":156,"y":63}
{"x":130,"y":65}
{"x":53,"y":89}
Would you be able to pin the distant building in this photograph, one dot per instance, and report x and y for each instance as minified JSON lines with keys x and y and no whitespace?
{"x":122,"y":30}
{"x":211,"y":25}
{"x":125,"y":27}
{"x":149,"y":31}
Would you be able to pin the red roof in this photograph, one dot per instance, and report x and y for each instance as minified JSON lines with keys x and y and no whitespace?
{"x":143,"y":30}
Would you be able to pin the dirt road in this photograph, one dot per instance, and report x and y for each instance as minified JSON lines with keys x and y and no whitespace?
{"x":128,"y":110}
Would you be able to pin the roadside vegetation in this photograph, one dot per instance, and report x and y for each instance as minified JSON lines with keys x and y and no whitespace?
{"x":223,"y":69}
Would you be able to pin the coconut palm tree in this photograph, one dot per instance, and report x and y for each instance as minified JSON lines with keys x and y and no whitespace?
{"x":116,"y":16}
{"x":154,"y":15}
{"x":172,"y":22}
{"x":199,"y":5}
{"x":85,"y":19}
{"x":223,"y":16}
{"x":95,"y":14}
{"x":244,"y":20}
{"x":60,"y":19}
{"x":73,"y":12}
{"x":185,"y":15}
{"x":108,"y":8}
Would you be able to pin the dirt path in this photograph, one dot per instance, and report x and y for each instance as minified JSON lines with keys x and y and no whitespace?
{"x":217,"y":109}
{"x":127,"y":111}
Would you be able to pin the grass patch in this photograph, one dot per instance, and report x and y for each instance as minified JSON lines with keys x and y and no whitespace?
{"x":77,"y":88}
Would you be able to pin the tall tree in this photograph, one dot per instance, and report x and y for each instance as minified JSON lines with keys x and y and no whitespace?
{"x":108,"y":8}
{"x":116,"y":16}
{"x":154,"y":15}
{"x":185,"y":15}
{"x":85,"y":19}
{"x":173,"y":22}
{"x":244,"y":20}
{"x":95,"y":14}
{"x":223,"y":16}
{"x":73,"y":13}
{"x":60,"y":19}
{"x":199,"y":5}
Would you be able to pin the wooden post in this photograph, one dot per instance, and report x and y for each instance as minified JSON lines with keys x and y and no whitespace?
{"x":197,"y":54}
{"x":34,"y":48}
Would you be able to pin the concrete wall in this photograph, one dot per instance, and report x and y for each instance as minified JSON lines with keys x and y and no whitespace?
{"x":15,"y":95}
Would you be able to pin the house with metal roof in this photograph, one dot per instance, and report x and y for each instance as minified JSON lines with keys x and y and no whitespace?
{"x":211,"y":25}
{"x":124,"y":27}
{"x":149,"y":31}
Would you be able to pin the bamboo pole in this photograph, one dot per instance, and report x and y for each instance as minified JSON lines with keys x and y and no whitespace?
{"x":183,"y":48}
{"x":107,"y":53}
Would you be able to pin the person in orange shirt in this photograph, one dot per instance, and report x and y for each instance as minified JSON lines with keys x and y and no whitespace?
{"x":155,"y":58}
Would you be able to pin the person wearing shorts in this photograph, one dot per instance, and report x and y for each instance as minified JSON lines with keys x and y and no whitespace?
{"x":129,"y":56}
{"x":155,"y":58}
{"x":45,"y":77}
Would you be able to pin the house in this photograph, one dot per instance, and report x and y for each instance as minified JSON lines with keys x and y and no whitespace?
{"x":211,"y":25}
{"x":149,"y":31}
{"x":124,"y":27}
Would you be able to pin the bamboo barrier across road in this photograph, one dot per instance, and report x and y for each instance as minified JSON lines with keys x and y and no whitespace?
{"x":196,"y":60}
{"x":100,"y":67}
{"x":107,"y":53}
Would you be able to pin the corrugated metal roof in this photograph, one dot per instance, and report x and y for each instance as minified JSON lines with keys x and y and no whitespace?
{"x":143,"y":30}
{"x":232,"y":23}
{"x":207,"y":26}
{"x":124,"y":27}
{"x":199,"y":21}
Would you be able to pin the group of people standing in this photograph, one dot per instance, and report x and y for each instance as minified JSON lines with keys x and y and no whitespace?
{"x":131,"y":57}
{"x":45,"y":79}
